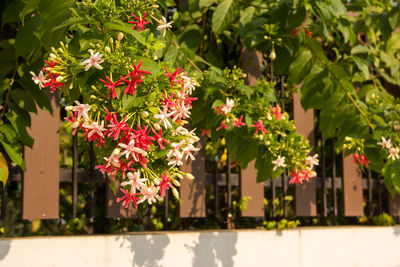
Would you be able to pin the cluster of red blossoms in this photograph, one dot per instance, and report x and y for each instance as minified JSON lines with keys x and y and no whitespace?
{"x":361,"y":159}
{"x":298,"y":177}
{"x":50,"y":78}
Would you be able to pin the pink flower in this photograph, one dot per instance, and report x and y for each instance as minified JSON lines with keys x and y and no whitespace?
{"x":82,"y":110}
{"x":128,"y":197}
{"x":134,"y":181}
{"x":40,"y":79}
{"x":163,"y":117}
{"x":131,"y":149}
{"x":227,"y":108}
{"x":259,"y":127}
{"x":94,"y":60}
{"x":140,"y":23}
{"x":361,"y":159}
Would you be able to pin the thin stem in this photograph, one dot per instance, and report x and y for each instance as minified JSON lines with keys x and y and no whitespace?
{"x":8,"y":90}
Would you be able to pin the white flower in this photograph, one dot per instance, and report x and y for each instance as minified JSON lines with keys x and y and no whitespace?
{"x":40,"y":80}
{"x":96,"y":128}
{"x":135,"y":181}
{"x":164,"y":25}
{"x":188,"y":149}
{"x":394,"y":153}
{"x":82,"y":110}
{"x":114,"y":159}
{"x":189,"y":84}
{"x":181,"y":111}
{"x":385,"y":143}
{"x":312,"y":160}
{"x":228,"y":106}
{"x":163,"y":117}
{"x":279,"y":162}
{"x":150,"y":194}
{"x":94,"y":60}
{"x":131,"y":149}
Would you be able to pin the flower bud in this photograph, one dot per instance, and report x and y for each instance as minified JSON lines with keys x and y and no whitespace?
{"x":53,"y":56}
{"x":189,"y":176}
{"x":269,"y":117}
{"x":179,"y":175}
{"x":156,"y":6}
{"x":116,"y":45}
{"x":53,"y":49}
{"x":176,"y":182}
{"x":261,"y":137}
{"x":175,"y":192}
{"x":120,"y":36}
{"x":111,"y":40}
{"x":156,"y":181}
{"x":347,"y":138}
{"x":145,"y":114}
{"x":69,"y":108}
{"x":157,"y":127}
{"x":272,"y":56}
{"x":107,"y":49}
{"x":59,"y":79}
{"x":60,"y":50}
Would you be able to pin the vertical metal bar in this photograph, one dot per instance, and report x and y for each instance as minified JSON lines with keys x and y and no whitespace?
{"x":74,"y":173}
{"x":228,"y":190}
{"x":91,"y":182}
{"x":3,"y":201}
{"x":334,"y":188}
{"x":379,"y":187}
{"x":166,"y":215}
{"x":273,"y":187}
{"x":216,"y":200}
{"x":370,"y":208}
{"x":284,"y":175}
{"x":323,"y":178}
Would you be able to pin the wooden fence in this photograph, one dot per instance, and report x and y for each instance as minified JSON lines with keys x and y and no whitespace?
{"x":348,"y":191}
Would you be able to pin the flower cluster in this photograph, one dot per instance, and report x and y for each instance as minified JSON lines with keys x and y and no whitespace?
{"x":393,"y":152}
{"x":267,"y":126}
{"x":136,"y":121}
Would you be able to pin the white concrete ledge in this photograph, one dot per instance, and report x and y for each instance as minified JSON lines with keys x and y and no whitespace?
{"x":313,"y":246}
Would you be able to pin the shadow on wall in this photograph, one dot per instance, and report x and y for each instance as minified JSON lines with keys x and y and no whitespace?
{"x":4,"y":248}
{"x":147,"y":250}
{"x":214,"y":249}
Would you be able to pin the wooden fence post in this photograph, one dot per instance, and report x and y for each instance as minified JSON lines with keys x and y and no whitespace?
{"x":249,"y":187}
{"x":305,"y":193}
{"x":193,"y":192}
{"x":41,"y":180}
{"x":352,"y":188}
{"x":114,"y":209}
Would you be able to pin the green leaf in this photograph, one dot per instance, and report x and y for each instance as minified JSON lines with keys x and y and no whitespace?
{"x":73,"y":21}
{"x":10,"y":13}
{"x":30,"y":5}
{"x":126,"y":29}
{"x":206,"y":3}
{"x":299,"y":66}
{"x":393,"y":44}
{"x":54,"y":12}
{"x":3,"y":170}
{"x":14,"y":155}
{"x":223,"y":16}
{"x":362,"y":64}
{"x":23,"y":100}
{"x":26,"y":40}
{"x":360,"y":49}
{"x":8,"y":132}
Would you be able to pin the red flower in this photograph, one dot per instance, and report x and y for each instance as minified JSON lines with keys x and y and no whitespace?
{"x":116,"y":127}
{"x":218,"y":110}
{"x":259,"y":127}
{"x":72,"y":121}
{"x":142,"y":137}
{"x":361,"y":159}
{"x":111,"y":86}
{"x":50,"y":65}
{"x":53,"y":82}
{"x":159,"y":139}
{"x":204,"y":132}
{"x":277,"y":113}
{"x":135,"y":76}
{"x":140,"y":23}
{"x":238,"y":122}
{"x":222,"y":125}
{"x":164,"y":184}
{"x":128,"y":198}
{"x":173,"y":76}
{"x":188,"y":100}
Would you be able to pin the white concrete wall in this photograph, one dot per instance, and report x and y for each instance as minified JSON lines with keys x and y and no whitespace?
{"x":314,"y":246}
